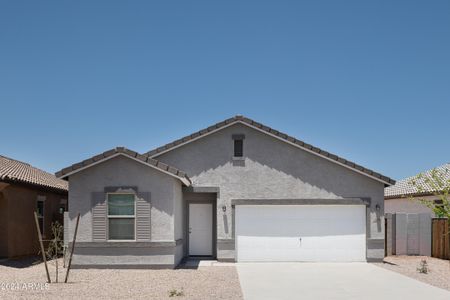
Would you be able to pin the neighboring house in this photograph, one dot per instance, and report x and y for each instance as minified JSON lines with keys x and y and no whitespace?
{"x":25,"y":189}
{"x":252,"y":194}
{"x":403,"y":196}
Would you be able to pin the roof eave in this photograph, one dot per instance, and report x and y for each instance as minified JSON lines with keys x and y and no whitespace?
{"x":142,"y":159}
{"x":410,"y":195}
{"x":284,"y":137}
{"x":34,"y":185}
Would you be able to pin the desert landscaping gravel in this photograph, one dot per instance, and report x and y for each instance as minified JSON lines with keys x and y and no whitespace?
{"x":214,"y":282}
{"x":439,"y":269}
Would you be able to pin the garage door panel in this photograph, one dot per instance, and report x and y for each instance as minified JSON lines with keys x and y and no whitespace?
{"x":300,"y":233}
{"x":304,"y":229}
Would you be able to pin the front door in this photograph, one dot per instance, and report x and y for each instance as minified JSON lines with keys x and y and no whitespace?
{"x":200,"y":229}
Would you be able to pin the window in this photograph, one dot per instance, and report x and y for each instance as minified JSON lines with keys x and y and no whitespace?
{"x":238,"y":148}
{"x":62,"y":206}
{"x":40,"y":214}
{"x":238,"y":145}
{"x":121,"y":216}
{"x":439,"y":202}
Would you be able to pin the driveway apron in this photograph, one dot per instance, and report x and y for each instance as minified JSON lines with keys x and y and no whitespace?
{"x":330,"y":281}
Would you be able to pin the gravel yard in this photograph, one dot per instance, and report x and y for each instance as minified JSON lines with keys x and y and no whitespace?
{"x":215,"y":282}
{"x":439,"y":269}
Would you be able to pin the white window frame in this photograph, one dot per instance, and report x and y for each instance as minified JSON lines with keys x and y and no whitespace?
{"x":108,"y":216}
{"x":41,"y":217}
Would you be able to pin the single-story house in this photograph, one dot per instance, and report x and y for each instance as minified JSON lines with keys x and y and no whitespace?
{"x":25,"y":189}
{"x":403,"y":196}
{"x":235,"y":191}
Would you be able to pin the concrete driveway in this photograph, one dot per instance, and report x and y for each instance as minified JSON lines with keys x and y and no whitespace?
{"x":330,"y":281}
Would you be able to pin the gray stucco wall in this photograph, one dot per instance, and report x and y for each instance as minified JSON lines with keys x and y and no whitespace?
{"x":125,"y":256}
{"x":178,"y":212}
{"x":165,"y":199}
{"x":272,"y":169}
{"x":179,"y":222}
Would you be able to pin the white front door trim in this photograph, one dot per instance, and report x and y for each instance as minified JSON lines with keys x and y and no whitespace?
{"x":200,"y":229}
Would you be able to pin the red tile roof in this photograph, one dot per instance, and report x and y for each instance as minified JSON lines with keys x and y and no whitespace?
{"x":405,"y":187}
{"x":14,"y":171}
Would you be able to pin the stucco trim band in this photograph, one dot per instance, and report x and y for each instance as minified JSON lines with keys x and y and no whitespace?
{"x":343,"y":201}
{"x":131,"y":244}
{"x":201,"y":189}
{"x":375,"y":243}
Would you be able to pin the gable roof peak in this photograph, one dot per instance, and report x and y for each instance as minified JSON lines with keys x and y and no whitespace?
{"x":276,"y":134}
{"x":144,"y":159}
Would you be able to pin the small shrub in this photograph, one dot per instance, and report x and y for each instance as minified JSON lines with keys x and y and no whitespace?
{"x":423,"y":267}
{"x":56,"y":245}
{"x":176,"y":293}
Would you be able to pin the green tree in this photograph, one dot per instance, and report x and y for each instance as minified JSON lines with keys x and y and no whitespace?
{"x":436,"y":182}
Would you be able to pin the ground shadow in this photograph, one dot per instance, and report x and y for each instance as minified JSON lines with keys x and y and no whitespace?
{"x":20,"y":263}
{"x":189,"y":263}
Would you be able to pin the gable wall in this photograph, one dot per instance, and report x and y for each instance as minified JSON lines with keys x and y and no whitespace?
{"x":272,"y":169}
{"x":122,"y":171}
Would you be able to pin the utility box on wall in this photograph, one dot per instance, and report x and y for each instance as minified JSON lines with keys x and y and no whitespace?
{"x":408,"y":234}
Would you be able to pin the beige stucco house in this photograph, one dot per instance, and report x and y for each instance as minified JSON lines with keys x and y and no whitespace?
{"x":403,"y":196}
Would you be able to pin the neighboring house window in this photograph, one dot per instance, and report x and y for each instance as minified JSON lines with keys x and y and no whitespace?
{"x":40,"y":214}
{"x":63,"y":206}
{"x":238,"y":145}
{"x":439,"y":208}
{"x":438,"y":201}
{"x":121,"y":216}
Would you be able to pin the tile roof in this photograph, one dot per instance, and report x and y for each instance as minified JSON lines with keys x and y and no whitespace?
{"x":405,"y":188}
{"x":127,"y":152}
{"x":12,"y":171}
{"x":283,"y":136}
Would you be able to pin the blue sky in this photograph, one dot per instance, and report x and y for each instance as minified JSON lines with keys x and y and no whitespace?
{"x":367,"y":80}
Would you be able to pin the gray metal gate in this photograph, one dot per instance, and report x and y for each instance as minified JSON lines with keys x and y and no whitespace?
{"x":408,"y":234}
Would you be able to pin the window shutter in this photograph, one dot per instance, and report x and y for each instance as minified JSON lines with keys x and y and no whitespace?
{"x":143,"y":225}
{"x":99,"y":215}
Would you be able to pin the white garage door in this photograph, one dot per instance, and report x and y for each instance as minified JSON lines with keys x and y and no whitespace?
{"x":301,"y":233}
